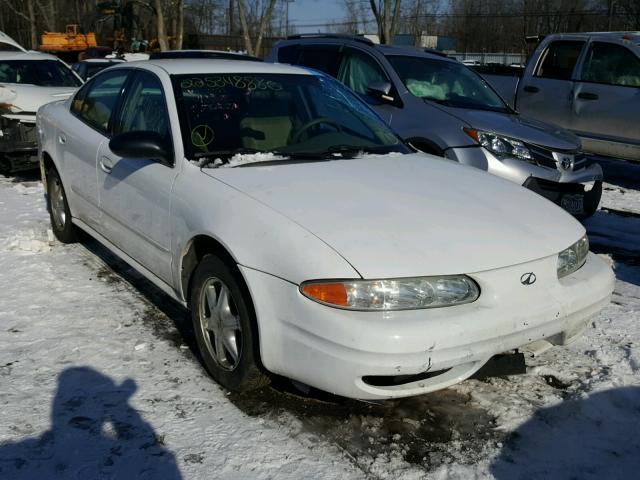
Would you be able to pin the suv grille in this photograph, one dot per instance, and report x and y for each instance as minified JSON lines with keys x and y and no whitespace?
{"x":544,"y":157}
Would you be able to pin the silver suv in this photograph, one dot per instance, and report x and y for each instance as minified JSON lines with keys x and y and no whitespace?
{"x":442,"y":107}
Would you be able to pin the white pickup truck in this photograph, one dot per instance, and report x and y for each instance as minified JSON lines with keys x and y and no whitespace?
{"x":588,"y":83}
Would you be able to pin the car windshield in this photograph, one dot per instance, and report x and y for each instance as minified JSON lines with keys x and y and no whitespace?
{"x":447,"y":83}
{"x":289,"y":116}
{"x":42,"y":73}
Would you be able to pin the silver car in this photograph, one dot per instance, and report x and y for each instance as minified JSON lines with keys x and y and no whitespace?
{"x":442,"y":107}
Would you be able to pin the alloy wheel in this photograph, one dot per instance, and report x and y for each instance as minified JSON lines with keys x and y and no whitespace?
{"x":220,"y":324}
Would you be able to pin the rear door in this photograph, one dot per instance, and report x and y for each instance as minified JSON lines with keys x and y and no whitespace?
{"x":607,"y":97}
{"x":81,"y":137}
{"x":135,"y":194}
{"x":546,"y":91}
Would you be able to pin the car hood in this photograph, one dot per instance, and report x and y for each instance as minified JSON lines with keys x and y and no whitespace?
{"x":519,"y":127}
{"x":409,"y":215}
{"x":28,"y":98}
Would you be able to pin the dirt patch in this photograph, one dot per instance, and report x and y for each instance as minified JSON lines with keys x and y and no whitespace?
{"x":419,"y":430}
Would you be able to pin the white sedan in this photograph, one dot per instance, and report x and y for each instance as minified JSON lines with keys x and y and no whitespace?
{"x":306,"y":238}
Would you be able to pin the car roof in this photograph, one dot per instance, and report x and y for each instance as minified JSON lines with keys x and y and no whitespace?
{"x":633,"y":37}
{"x":185,"y":66}
{"x":363,"y":42}
{"x":28,"y":55}
{"x":4,"y":38}
{"x":193,"y":53}
{"x":102,"y":60}
{"x":413,"y":52}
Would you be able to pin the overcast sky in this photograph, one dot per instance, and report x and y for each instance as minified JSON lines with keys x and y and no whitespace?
{"x":314,"y":12}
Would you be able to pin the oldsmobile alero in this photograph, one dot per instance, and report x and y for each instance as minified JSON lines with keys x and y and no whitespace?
{"x":305,"y":237}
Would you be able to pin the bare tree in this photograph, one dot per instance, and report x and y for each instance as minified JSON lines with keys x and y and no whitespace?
{"x":173,"y":37}
{"x":386,"y":20}
{"x":265,"y":19}
{"x":29,"y":16}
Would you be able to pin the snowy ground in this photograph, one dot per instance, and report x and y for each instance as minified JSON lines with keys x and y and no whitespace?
{"x":98,"y":380}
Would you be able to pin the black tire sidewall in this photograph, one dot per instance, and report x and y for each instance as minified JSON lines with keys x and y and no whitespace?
{"x":248,"y":373}
{"x":67,"y":234}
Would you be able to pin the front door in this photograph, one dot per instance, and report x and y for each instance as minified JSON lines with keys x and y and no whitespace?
{"x":135,"y":194}
{"x":359,"y":70}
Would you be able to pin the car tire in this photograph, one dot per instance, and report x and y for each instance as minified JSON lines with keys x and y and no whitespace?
{"x":225,"y":326}
{"x":58,"y":206}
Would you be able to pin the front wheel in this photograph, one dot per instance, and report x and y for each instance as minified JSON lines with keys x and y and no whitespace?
{"x":225,"y":326}
{"x":58,"y":207}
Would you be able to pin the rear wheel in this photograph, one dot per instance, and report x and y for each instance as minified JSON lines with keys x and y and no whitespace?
{"x":225,"y":326}
{"x":58,"y":207}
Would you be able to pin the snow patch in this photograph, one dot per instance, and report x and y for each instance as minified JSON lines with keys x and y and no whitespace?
{"x":32,"y":241}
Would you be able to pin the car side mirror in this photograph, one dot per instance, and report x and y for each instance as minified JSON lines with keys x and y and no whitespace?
{"x":143,"y":145}
{"x":380,"y":91}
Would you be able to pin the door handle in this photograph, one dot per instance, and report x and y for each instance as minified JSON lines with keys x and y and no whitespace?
{"x":62,"y":139}
{"x":531,"y":89}
{"x":588,"y":96}
{"x":106,"y":165}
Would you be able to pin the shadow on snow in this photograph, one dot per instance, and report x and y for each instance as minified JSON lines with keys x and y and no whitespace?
{"x":94,"y":434}
{"x":593,"y":438}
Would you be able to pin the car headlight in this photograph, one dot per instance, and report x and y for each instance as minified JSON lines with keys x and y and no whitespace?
{"x":393,"y":294}
{"x":500,"y":146}
{"x":572,"y":258}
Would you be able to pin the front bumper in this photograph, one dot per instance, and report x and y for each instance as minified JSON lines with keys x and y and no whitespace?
{"x":340,"y":351}
{"x":551,"y":183}
{"x":18,"y":144}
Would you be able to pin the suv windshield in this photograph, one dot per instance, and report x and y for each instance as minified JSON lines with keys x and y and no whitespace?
{"x":42,"y":73}
{"x":295,"y":116}
{"x":447,"y":83}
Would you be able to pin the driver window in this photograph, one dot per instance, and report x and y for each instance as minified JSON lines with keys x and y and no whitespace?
{"x":144,"y":108}
{"x":359,"y":70}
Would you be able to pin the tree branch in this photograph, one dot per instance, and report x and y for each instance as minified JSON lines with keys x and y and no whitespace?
{"x":16,"y":11}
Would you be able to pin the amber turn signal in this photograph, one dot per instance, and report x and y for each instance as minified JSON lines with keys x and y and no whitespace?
{"x":331,"y":293}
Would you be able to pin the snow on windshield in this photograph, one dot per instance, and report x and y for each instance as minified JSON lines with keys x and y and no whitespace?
{"x":239,"y":159}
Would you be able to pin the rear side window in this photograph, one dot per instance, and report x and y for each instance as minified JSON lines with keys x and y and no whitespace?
{"x":325,"y":58}
{"x":611,"y":64}
{"x":559,"y":60}
{"x":289,"y":54}
{"x":99,"y":100}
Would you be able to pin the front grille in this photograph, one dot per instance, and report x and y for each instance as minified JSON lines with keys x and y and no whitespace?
{"x":581,"y":161}
{"x":397,"y":380}
{"x":543,"y":157}
{"x":17,"y":136}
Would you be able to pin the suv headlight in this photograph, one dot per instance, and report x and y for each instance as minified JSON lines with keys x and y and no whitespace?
{"x":500,"y":146}
{"x":572,"y":258}
{"x":393,"y":294}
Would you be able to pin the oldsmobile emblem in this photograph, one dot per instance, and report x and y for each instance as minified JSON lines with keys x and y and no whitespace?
{"x":528,"y":278}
